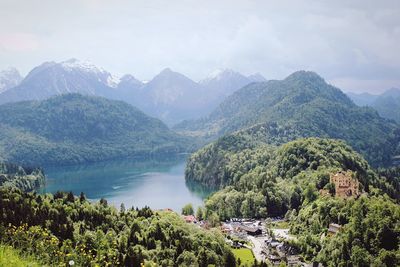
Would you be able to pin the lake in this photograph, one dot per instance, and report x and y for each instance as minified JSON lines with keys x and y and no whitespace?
{"x":158,"y":184}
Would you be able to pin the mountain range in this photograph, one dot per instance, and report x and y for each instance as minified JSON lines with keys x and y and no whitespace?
{"x":274,"y":150}
{"x":169,"y":96}
{"x":387,"y":104}
{"x":279,"y":146}
{"x":73,"y":128}
{"x":50,"y":79}
{"x":302,"y":105}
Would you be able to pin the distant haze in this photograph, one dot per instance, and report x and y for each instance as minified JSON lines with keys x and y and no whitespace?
{"x":353,"y":44}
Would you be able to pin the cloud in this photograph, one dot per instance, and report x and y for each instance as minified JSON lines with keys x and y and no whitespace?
{"x":18,"y":42}
{"x":342,"y":40}
{"x":367,"y":85}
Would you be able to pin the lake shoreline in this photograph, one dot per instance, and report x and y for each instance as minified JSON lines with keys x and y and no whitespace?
{"x":158,"y":184}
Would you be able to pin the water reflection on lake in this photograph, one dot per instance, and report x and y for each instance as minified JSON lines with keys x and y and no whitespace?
{"x":156,"y":183}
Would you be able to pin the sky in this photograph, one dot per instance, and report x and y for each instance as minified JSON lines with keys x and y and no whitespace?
{"x":354,"y":45}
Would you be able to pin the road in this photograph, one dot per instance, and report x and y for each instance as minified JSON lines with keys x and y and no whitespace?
{"x":258,"y":243}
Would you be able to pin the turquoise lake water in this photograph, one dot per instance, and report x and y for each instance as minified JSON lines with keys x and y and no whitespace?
{"x":158,"y":184}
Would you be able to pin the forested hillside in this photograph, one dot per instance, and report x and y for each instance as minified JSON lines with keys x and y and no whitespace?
{"x":73,"y":128}
{"x":267,"y":180}
{"x":369,"y":235}
{"x":259,"y":181}
{"x":302,"y":105}
{"x":60,"y":228}
{"x":26,"y":179}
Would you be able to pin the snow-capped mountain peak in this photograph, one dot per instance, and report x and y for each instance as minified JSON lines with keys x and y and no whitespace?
{"x":71,"y":76}
{"x":113,"y":81}
{"x":88,"y":67}
{"x":73,"y":64}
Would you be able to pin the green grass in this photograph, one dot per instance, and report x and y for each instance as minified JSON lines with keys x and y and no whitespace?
{"x":245,"y":255}
{"x":11,"y":257}
{"x":280,"y":225}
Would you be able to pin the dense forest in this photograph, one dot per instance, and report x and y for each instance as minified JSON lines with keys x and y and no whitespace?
{"x":258,"y":181}
{"x":241,"y":133}
{"x":276,"y":164}
{"x":73,"y":128}
{"x":26,"y":179}
{"x":369,"y":236}
{"x":302,"y":105}
{"x":267,"y":180}
{"x":60,"y":228}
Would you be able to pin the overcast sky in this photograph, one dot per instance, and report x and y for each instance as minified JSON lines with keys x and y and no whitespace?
{"x":352,"y":44}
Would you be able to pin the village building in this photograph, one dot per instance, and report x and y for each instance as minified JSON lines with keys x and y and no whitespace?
{"x":334,"y":228}
{"x":275,"y":259}
{"x":190,"y":219}
{"x":273,"y":243}
{"x":204,"y":224}
{"x":227,"y":228}
{"x":293,"y":260}
{"x":254,"y":231}
{"x":234,"y":244}
{"x":345,"y":185}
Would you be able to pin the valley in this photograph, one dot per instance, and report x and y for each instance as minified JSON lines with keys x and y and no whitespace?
{"x":99,"y":180}
{"x":199,"y":133}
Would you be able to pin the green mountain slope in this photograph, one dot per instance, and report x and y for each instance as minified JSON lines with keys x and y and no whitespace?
{"x":302,"y":105}
{"x":369,"y":235}
{"x":268,"y":176}
{"x":259,"y":180}
{"x":74,"y":128}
